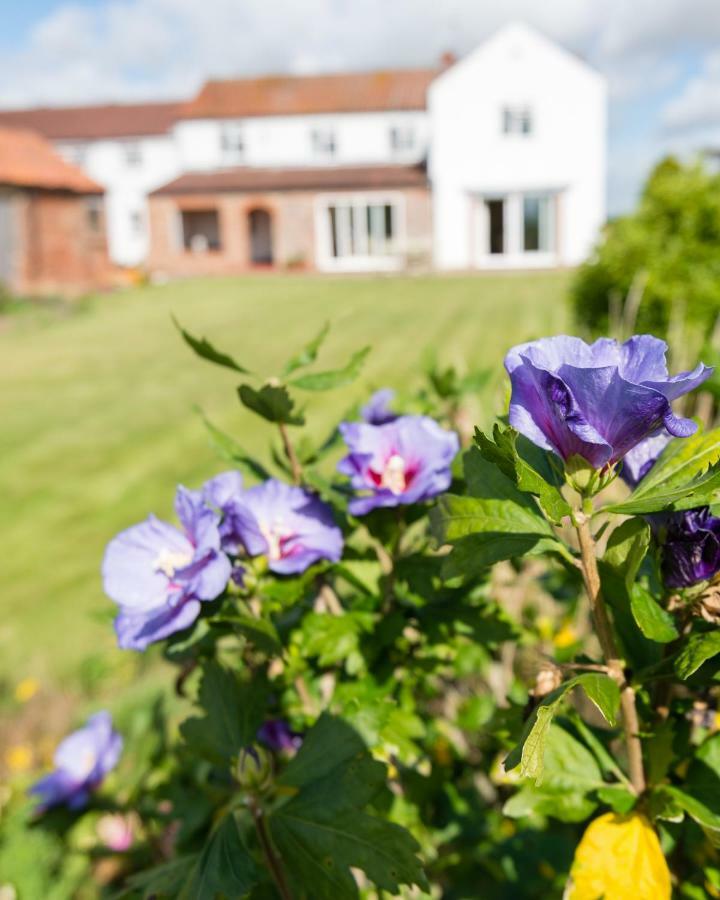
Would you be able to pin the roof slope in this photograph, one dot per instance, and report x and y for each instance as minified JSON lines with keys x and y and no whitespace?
{"x":398,"y":89}
{"x":95,"y":122}
{"x":244,"y":178}
{"x":28,"y":160}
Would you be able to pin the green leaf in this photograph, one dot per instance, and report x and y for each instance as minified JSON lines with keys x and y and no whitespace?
{"x":309,"y":352}
{"x":697,"y":650}
{"x":165,"y":880}
{"x":325,"y":381}
{"x":225,"y":867}
{"x":261,"y":632}
{"x":205,"y":349}
{"x":617,"y":797}
{"x":654,"y":622}
{"x":529,"y":753}
{"x":472,"y":554}
{"x":570,"y":773}
{"x":335,"y":639}
{"x":685,"y":476}
{"x":233,"y":712}
{"x":228,"y":448}
{"x":696,"y":809}
{"x":323,"y":831}
{"x":626,"y":549}
{"x":272,"y":402}
{"x":503,"y":452}
{"x":603,"y":691}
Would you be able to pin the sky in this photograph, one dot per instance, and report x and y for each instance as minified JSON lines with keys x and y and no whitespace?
{"x":661,"y":57}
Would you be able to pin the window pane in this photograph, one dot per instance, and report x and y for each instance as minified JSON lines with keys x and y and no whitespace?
{"x":531,"y":223}
{"x":496,"y":225}
{"x":332,"y":222}
{"x":389,"y":233}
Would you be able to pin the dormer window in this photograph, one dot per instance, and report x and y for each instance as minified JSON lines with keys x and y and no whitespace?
{"x":323,"y":142}
{"x":133,"y":154}
{"x":517,"y":120}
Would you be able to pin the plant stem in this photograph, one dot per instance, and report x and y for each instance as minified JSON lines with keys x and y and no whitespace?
{"x":605,"y":634}
{"x":290,"y":453}
{"x":271,"y":858}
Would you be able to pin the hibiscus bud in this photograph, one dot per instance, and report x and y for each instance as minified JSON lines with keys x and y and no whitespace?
{"x":690,"y":543}
{"x":117,"y":831}
{"x":254,"y":769}
{"x":546,"y":681}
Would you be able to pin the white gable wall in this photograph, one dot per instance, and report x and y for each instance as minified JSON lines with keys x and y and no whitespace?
{"x":471,"y":158}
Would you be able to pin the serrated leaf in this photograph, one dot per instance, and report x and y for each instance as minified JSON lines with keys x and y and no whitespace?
{"x":626,"y":549}
{"x":472,"y":554}
{"x":225,"y":867}
{"x":233,"y":711}
{"x":619,"y":857}
{"x":309,"y":352}
{"x":698,"y":649}
{"x":326,"y":381}
{"x":272,"y":402}
{"x":503,"y":452}
{"x":685,"y":476}
{"x":165,"y":880}
{"x":228,"y":448}
{"x":654,"y":622}
{"x":205,"y":349}
{"x":261,"y":632}
{"x":323,"y":831}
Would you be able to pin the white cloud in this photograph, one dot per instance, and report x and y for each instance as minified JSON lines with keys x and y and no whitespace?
{"x":697,"y":107}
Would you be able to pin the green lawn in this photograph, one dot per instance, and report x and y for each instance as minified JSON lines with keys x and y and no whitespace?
{"x":98,"y":423}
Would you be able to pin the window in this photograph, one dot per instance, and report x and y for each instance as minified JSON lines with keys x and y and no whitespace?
{"x":517,"y":120}
{"x":402,"y":138}
{"x":75,"y":153}
{"x":137,"y":222}
{"x":232,"y":143}
{"x":323,"y":142}
{"x":538,"y":223}
{"x":362,"y":229}
{"x":93,"y":210}
{"x":496,"y":225}
{"x":133,"y":154}
{"x":201,"y":230}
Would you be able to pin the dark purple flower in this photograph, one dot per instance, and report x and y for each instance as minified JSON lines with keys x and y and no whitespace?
{"x":290,"y":526}
{"x":596,"y":401}
{"x":377,"y":410}
{"x":405,"y":461}
{"x":638,"y":461}
{"x":278,"y":736}
{"x":158,"y":575}
{"x":690,"y":544}
{"x":82,"y":760}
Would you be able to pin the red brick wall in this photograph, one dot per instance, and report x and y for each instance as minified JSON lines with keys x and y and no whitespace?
{"x":293,"y":230}
{"x":61,"y":250}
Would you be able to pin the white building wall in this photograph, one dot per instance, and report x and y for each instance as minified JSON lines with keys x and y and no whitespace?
{"x":128,"y":169}
{"x":471,"y":158}
{"x":286,"y":141}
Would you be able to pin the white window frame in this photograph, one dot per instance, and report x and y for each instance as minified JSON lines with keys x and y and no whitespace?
{"x":514,"y":255}
{"x":516,"y":116}
{"x":230,"y":154}
{"x":359,"y":262}
{"x":402,"y":138}
{"x":324,"y":142}
{"x":133,"y":154}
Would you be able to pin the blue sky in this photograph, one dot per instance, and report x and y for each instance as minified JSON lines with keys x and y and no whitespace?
{"x":661,"y":57}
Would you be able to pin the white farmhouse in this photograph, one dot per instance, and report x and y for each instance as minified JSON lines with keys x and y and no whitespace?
{"x":494,"y":161}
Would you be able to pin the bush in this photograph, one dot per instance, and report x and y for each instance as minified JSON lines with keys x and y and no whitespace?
{"x":664,"y":256}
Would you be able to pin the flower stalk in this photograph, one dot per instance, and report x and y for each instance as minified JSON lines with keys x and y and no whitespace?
{"x":295,"y":466}
{"x":269,"y":853}
{"x":603,"y":629}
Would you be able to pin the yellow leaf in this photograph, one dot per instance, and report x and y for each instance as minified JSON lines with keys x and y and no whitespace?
{"x":619,"y":858}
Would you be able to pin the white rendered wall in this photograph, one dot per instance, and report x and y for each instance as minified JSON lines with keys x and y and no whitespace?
{"x":472,"y":158}
{"x":126,"y":186}
{"x":286,"y":141}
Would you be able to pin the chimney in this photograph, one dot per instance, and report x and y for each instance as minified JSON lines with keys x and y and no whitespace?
{"x":447,"y":59}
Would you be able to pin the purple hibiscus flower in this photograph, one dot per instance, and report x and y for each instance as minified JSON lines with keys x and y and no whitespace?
{"x":81,"y":761}
{"x":638,"y":461}
{"x":277,"y":735}
{"x":404,"y":461}
{"x":222,"y":494}
{"x":290,"y":526}
{"x":377,"y":410}
{"x":599,"y":400}
{"x":690,"y":543}
{"x":158,"y":575}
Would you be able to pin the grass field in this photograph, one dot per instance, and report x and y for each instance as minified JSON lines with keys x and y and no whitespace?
{"x":98,"y":423}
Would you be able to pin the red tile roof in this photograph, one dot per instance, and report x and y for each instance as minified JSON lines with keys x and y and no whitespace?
{"x":289,"y":95}
{"x":247,"y":179}
{"x":28,"y":160}
{"x":95,"y":122}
